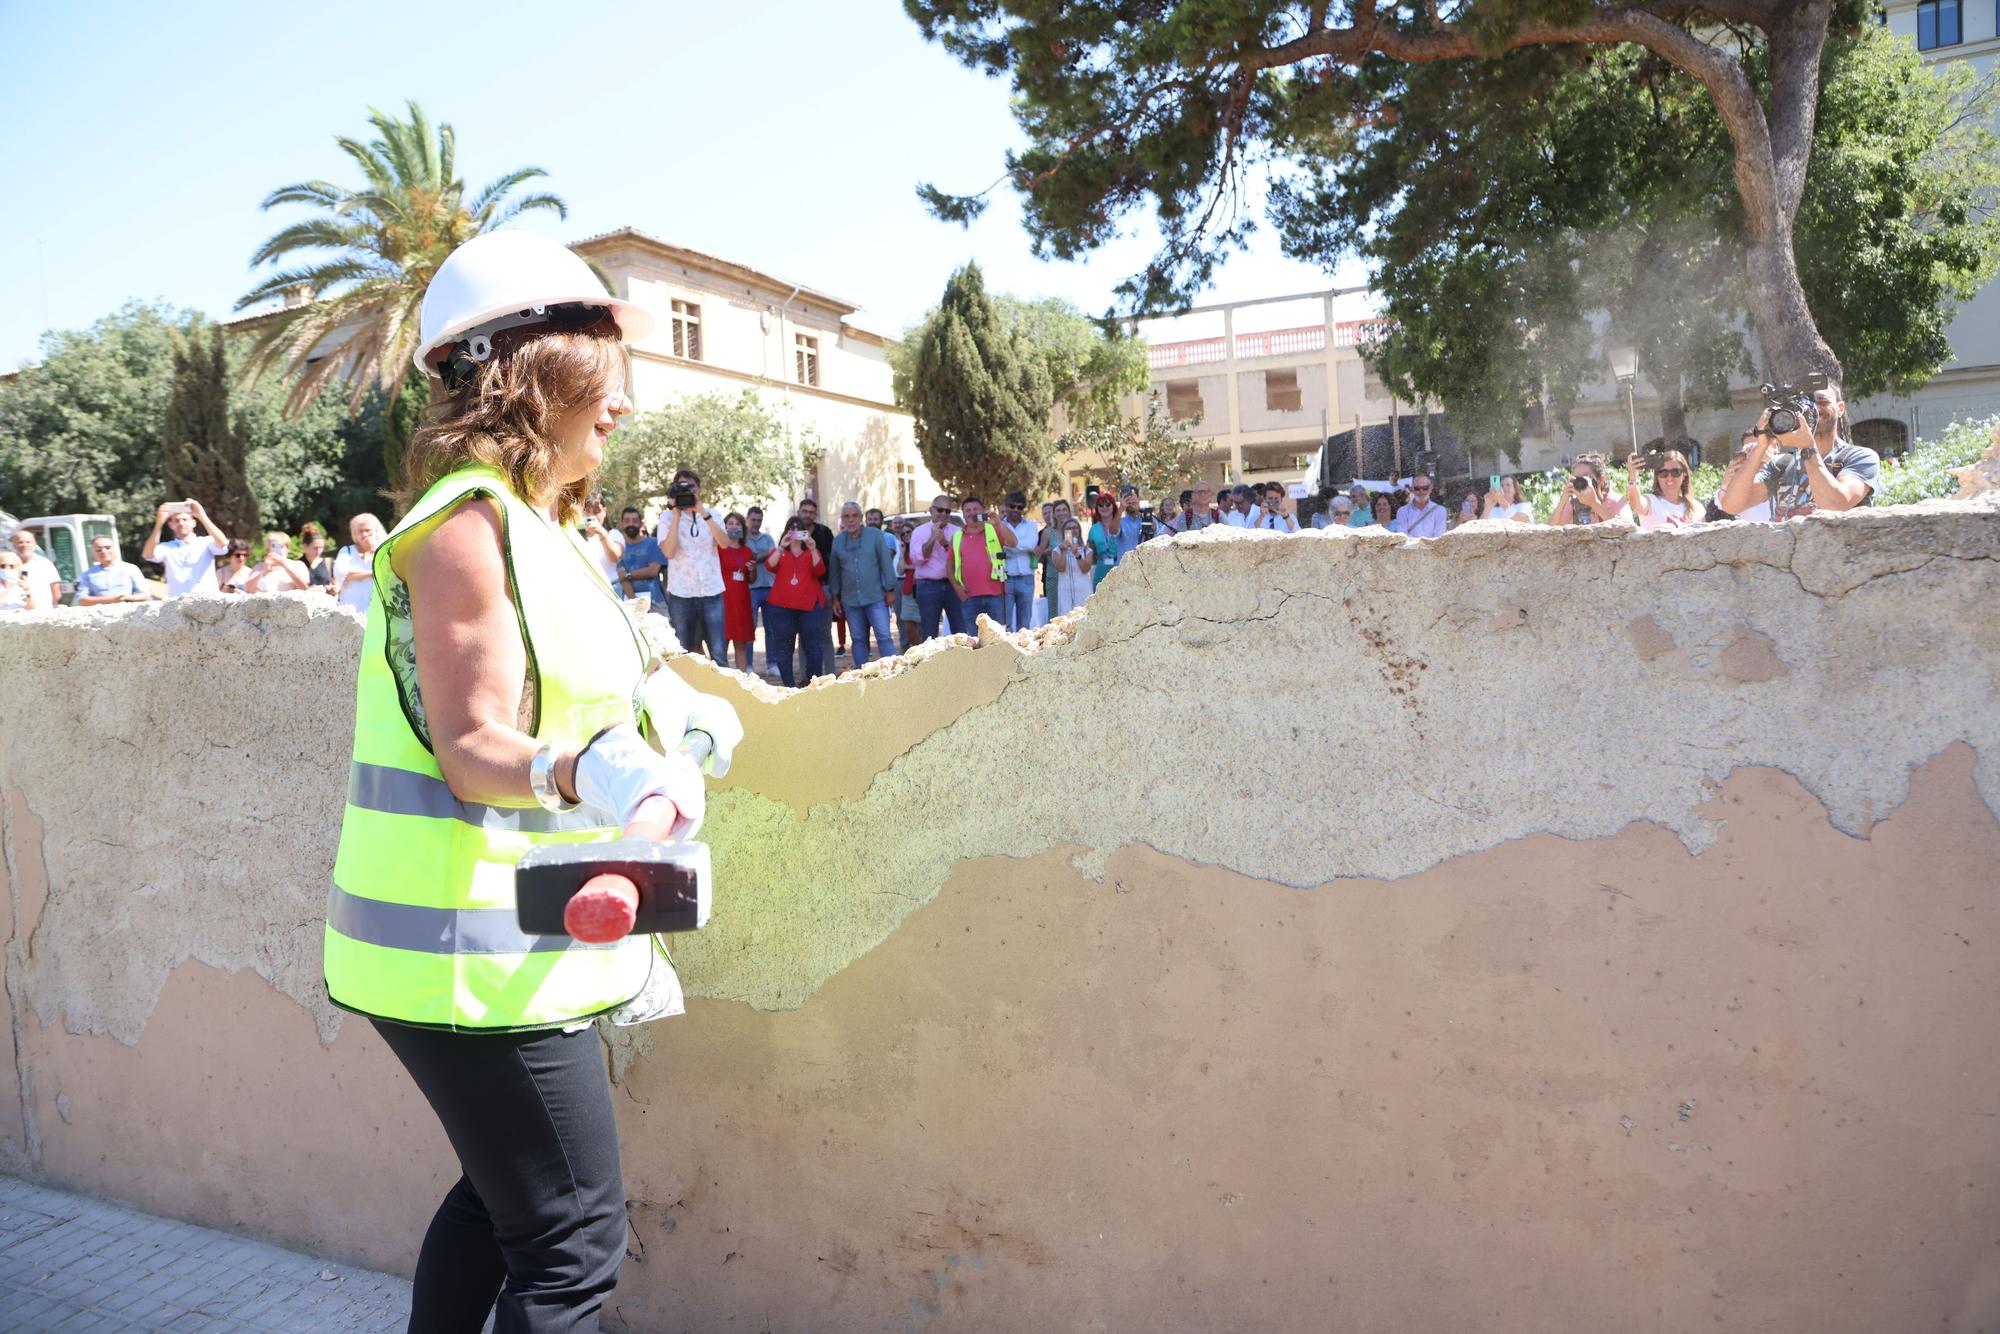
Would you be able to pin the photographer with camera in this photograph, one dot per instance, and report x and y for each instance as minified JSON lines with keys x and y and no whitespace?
{"x":689,"y":537}
{"x":1274,"y":517}
{"x":606,"y":545}
{"x":1586,"y":499}
{"x":1801,"y":459}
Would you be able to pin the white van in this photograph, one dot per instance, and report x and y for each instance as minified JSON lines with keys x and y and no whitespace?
{"x":65,"y":539}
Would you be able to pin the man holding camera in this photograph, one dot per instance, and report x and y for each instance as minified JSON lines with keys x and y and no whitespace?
{"x":190,"y":565}
{"x":689,"y":539}
{"x":1799,"y":459}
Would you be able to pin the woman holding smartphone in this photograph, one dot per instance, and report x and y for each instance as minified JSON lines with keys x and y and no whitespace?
{"x":1072,"y":559}
{"x":1503,"y":501}
{"x":795,"y":613}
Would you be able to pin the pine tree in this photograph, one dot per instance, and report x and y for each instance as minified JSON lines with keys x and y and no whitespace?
{"x":202,"y":455}
{"x":981,"y":398}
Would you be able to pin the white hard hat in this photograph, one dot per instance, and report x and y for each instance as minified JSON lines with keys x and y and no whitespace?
{"x":501,"y":280}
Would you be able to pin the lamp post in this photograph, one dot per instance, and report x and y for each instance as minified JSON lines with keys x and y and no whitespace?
{"x":1624,"y":359}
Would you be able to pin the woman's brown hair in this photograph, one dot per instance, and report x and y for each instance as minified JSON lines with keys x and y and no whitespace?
{"x":1687,"y":480}
{"x":504,"y":414}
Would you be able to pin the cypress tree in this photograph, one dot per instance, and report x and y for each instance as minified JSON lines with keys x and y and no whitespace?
{"x":981,"y":398}
{"x":202,"y":451}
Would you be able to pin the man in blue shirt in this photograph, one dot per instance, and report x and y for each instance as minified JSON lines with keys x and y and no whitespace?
{"x":640,"y":567}
{"x":862,"y":578}
{"x":1129,"y":525}
{"x":111,"y":579}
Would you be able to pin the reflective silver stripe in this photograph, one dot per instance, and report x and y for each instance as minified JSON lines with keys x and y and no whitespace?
{"x":404,"y":926}
{"x":378,"y":787}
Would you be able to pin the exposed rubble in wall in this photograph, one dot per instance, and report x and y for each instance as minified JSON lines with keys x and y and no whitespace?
{"x":1297,"y":709}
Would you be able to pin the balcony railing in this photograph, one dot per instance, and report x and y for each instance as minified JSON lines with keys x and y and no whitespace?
{"x":1272,"y":343}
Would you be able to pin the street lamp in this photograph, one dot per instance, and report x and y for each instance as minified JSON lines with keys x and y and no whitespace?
{"x":1624,"y":359}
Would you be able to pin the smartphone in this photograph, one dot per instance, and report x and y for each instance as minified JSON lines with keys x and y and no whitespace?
{"x":1493,"y":482}
{"x":179,"y":507}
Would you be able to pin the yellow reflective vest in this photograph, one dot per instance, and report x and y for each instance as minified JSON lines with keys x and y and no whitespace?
{"x":420,"y":926}
{"x":995,"y":554}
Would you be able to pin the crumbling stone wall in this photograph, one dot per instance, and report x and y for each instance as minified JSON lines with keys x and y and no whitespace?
{"x":1329,"y":930}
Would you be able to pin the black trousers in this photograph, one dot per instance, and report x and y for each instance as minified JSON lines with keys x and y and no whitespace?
{"x":538,"y":1218}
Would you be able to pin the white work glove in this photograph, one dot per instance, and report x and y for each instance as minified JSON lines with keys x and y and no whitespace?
{"x":670,"y":708}
{"x":618,"y":771}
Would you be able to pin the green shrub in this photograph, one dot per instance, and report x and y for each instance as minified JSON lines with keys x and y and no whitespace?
{"x":1924,"y":473}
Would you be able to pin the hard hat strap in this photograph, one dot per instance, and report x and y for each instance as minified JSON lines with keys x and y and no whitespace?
{"x":475,"y":346}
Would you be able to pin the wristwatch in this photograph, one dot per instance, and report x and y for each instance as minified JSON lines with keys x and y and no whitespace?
{"x":542,"y":782}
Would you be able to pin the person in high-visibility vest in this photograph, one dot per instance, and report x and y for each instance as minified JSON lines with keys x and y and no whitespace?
{"x":980,"y":580}
{"x":502,"y":703}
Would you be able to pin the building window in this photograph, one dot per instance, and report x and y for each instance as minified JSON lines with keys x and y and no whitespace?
{"x":906,"y":489}
{"x":1371,"y":383}
{"x":687,"y":330}
{"x":805,"y":358}
{"x":1183,"y":400}
{"x":1281,"y":391}
{"x":1938,"y":25}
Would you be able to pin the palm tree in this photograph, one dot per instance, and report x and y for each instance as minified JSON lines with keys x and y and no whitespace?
{"x":381,"y":245}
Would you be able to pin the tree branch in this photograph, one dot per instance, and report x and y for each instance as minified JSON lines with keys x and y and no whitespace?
{"x":1757,"y":179}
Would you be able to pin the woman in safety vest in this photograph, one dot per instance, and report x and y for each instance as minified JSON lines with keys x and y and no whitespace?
{"x":499,"y":706}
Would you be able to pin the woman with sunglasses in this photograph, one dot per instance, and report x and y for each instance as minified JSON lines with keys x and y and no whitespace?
{"x":1666,"y":505}
{"x":1104,"y":537}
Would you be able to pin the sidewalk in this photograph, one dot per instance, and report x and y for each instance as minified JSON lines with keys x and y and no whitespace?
{"x":68,"y":1262}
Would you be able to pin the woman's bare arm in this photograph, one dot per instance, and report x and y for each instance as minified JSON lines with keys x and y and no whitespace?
{"x":470,"y":658}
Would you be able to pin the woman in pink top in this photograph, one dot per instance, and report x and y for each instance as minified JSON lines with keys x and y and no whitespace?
{"x":1587,"y":499}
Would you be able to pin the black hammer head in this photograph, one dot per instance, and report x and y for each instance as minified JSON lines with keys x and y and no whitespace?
{"x":672,"y":880}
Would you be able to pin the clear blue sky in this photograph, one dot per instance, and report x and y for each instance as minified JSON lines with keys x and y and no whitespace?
{"x":788,"y":136}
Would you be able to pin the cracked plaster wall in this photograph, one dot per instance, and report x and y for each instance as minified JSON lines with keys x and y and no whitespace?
{"x":1239,"y":706}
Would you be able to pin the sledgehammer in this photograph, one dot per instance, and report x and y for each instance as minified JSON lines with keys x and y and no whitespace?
{"x":602,"y":892}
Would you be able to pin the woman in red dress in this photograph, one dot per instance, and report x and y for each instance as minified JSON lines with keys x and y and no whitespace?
{"x":739,"y":620}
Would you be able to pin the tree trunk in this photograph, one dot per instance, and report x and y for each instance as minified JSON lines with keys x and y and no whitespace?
{"x":1788,"y":339}
{"x":1673,"y":419}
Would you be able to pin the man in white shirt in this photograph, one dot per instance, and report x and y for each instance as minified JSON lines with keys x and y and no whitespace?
{"x":1422,"y":517}
{"x":354,"y":567}
{"x":1273,"y":516}
{"x":190,"y":564}
{"x":1243,"y":511}
{"x":689,"y":538}
{"x":1022,"y":557}
{"x":37,"y":570}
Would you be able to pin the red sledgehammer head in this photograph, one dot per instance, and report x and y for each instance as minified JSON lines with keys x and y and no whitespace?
{"x":598,"y":893}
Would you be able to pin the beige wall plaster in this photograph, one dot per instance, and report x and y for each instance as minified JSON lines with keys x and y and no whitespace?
{"x":1294,"y":709}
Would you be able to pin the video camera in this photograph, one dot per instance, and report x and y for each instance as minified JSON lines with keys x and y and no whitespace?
{"x":682,"y":495}
{"x":1792,"y":404}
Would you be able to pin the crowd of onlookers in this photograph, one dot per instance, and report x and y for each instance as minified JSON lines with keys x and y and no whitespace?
{"x":197,"y":557}
{"x":876,"y":584}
